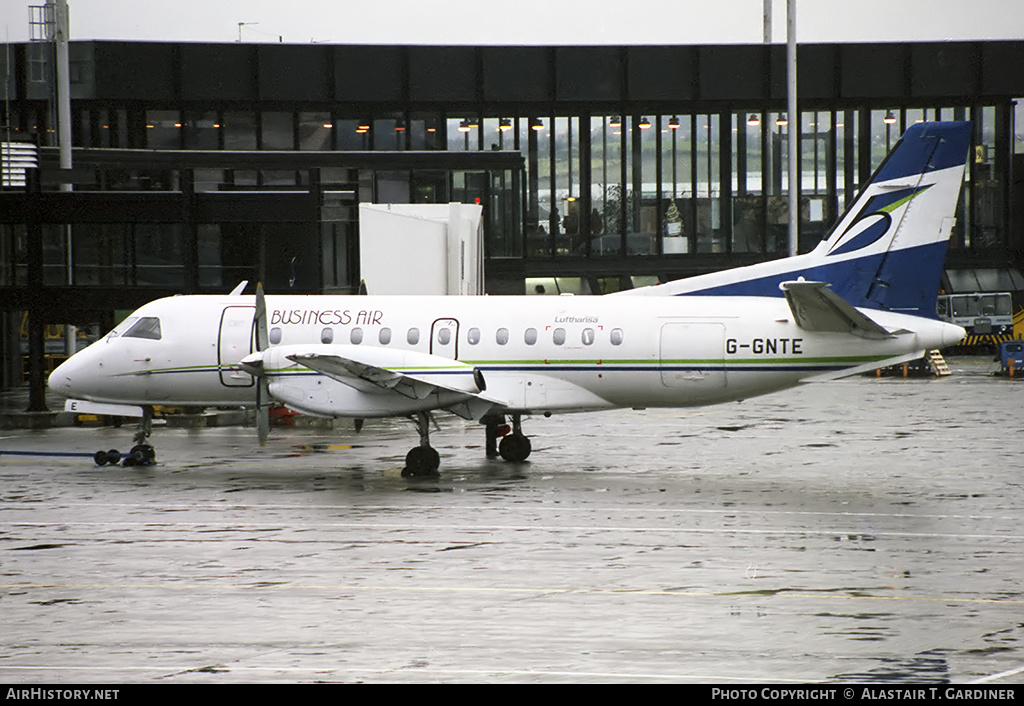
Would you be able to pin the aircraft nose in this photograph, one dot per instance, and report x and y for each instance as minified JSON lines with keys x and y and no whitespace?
{"x":63,"y":379}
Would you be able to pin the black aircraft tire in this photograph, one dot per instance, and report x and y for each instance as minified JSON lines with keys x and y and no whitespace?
{"x":421,"y":461}
{"x":143,"y":454}
{"x":515,"y":448}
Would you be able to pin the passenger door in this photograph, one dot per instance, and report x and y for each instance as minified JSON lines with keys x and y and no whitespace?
{"x":234,"y":343}
{"x":444,"y":338}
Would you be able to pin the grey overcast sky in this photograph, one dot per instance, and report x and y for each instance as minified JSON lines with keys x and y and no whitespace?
{"x":526,"y":21}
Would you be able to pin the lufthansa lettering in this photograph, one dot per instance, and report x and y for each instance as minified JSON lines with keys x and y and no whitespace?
{"x":565,"y":319}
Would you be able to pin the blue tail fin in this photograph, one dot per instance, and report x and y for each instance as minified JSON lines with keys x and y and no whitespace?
{"x":888,"y":249}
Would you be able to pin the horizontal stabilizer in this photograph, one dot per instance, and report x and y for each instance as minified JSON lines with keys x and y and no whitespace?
{"x":817,"y":308}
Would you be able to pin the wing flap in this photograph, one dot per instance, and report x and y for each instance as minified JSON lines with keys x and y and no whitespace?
{"x":362,"y":376}
{"x":408,"y":373}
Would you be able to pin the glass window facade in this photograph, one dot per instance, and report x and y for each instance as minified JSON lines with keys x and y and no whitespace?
{"x":609,"y":187}
{"x":622,"y":183}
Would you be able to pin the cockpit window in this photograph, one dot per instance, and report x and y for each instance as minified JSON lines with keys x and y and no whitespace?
{"x":122,"y":327}
{"x":146,"y":327}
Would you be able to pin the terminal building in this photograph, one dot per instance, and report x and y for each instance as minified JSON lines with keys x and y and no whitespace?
{"x":598,"y":168}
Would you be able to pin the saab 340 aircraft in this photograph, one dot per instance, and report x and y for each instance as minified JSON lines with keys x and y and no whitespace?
{"x":864,"y":298}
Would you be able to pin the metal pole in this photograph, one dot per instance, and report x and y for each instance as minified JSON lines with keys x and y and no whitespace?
{"x":61,"y":35}
{"x":60,"y":38}
{"x":793,"y":128}
{"x":767,"y":21}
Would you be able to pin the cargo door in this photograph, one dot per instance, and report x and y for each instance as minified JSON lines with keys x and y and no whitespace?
{"x":693,"y":355}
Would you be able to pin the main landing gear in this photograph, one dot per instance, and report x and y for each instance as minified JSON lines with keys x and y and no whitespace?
{"x":515,"y":447}
{"x":423,"y":461}
{"x":142,"y":453}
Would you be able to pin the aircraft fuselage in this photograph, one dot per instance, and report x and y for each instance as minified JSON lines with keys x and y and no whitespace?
{"x":535,"y":354}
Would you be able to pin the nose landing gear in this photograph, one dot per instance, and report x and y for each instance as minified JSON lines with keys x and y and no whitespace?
{"x":142,"y":453}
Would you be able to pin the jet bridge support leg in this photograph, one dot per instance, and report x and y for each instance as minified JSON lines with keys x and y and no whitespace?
{"x":422,"y":460}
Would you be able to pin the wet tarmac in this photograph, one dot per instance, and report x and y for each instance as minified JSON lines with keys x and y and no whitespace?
{"x":865,"y":530}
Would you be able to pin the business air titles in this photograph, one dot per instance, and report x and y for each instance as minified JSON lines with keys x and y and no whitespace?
{"x":326,"y":317}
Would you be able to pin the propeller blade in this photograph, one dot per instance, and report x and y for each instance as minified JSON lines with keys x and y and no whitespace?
{"x":260,"y":320}
{"x":255,"y":365}
{"x":263,"y":409}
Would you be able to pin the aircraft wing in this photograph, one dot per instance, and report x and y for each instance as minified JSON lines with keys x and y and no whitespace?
{"x":413,"y":375}
{"x":815,"y":307}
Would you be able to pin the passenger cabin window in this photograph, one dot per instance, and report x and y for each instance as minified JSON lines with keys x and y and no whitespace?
{"x":356,"y":336}
{"x":327,"y":335}
{"x":473,"y":336}
{"x":146,"y":327}
{"x":558,"y":336}
{"x":413,"y":337}
{"x":384,"y":337}
{"x":530,"y":337}
{"x":444,"y":336}
{"x":275,"y":335}
{"x":501,"y":336}
{"x":616,"y":337}
{"x":588,"y":336}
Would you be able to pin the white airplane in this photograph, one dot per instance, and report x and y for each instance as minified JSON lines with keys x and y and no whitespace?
{"x":863,"y":299}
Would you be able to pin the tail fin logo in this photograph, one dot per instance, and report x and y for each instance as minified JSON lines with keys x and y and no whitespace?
{"x":874,"y":220}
